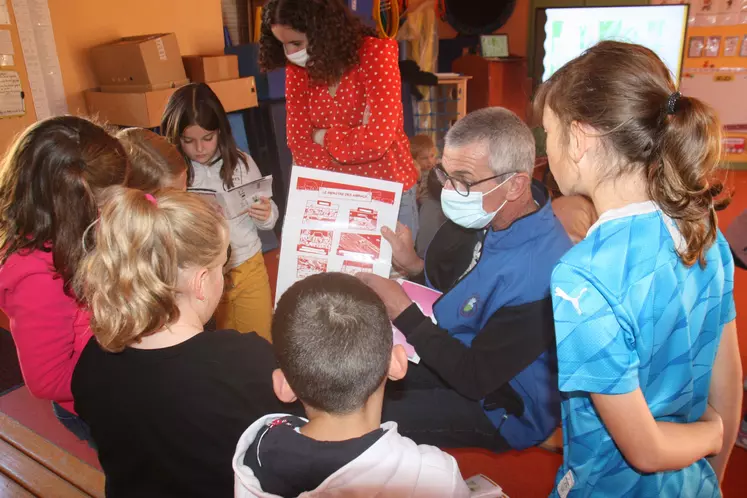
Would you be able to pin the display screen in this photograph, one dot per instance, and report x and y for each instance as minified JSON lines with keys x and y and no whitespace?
{"x":561,"y":34}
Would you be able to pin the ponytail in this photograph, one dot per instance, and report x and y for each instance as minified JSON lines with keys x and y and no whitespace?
{"x":129,"y":281}
{"x":682,"y":183}
{"x":625,"y":92}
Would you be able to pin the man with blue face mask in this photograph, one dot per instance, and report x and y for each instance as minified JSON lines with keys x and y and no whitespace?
{"x":488,"y":374}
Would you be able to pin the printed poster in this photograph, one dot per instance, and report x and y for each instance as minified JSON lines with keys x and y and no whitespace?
{"x":333,"y":222}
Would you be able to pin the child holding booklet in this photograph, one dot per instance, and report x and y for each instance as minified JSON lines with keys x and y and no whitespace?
{"x":333,"y":341}
{"x":195,"y":121}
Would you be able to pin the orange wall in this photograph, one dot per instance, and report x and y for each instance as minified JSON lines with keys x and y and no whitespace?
{"x":82,"y":24}
{"x":10,"y":127}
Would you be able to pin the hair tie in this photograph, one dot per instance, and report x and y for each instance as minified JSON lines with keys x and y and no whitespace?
{"x":152,"y":199}
{"x":672,"y":102}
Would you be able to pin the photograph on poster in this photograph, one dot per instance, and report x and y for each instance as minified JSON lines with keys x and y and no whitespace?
{"x":712,"y":46}
{"x":731,"y":45}
{"x":695,"y":47}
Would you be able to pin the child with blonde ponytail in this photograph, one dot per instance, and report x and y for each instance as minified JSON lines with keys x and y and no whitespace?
{"x":644,"y":310}
{"x":166,"y":402}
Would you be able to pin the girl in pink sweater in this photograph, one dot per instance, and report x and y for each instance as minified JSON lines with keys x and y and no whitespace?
{"x":49,"y":186}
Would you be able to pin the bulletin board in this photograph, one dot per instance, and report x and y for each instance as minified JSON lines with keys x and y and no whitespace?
{"x":13,"y":67}
{"x":715,"y":67}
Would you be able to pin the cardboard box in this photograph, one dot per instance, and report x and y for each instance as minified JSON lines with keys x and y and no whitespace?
{"x":212,"y":68}
{"x":236,"y":94}
{"x":139,"y":64}
{"x":144,"y":109}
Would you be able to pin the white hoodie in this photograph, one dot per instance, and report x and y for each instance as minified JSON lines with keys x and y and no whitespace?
{"x":393,"y":467}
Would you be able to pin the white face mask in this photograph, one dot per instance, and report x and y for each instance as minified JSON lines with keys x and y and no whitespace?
{"x":467,"y":211}
{"x":299,"y":58}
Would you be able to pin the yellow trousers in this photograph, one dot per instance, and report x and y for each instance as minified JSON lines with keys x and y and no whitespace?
{"x":246,"y":304}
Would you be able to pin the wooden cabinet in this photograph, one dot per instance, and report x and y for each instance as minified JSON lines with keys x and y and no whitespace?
{"x":495,"y":82}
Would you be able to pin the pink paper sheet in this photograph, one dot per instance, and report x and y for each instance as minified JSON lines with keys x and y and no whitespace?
{"x":424,"y":297}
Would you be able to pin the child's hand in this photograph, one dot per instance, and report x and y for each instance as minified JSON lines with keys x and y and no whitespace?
{"x":261,"y":210}
{"x":712,"y":417}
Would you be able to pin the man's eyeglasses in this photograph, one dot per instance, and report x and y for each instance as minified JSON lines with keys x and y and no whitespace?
{"x":460,"y":186}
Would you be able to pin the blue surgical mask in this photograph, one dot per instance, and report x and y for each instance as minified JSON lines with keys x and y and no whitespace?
{"x":467,"y":211}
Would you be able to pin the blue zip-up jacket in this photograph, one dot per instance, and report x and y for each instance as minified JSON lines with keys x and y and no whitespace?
{"x":494,"y":341}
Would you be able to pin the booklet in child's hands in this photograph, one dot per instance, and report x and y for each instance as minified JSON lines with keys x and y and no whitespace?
{"x":238,"y":200}
{"x":424,"y":297}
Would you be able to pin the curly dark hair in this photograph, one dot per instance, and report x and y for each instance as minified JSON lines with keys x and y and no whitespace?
{"x":335,"y":36}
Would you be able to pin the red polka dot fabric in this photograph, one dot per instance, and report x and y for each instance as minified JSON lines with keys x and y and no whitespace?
{"x":377,"y":149}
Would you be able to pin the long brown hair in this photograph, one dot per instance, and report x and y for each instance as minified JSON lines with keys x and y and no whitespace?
{"x":155,"y":163}
{"x":334,"y":33}
{"x":197,"y":104}
{"x":50,"y":183}
{"x":129,"y":281}
{"x":627,"y":93}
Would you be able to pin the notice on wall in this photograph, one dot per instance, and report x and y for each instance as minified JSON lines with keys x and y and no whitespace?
{"x":712,"y":12}
{"x":4,"y":14}
{"x":40,"y":54}
{"x":6,"y":48}
{"x":333,"y":222}
{"x":11,"y":94}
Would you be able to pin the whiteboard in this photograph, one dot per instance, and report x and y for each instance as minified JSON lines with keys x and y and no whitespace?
{"x":725,"y":91}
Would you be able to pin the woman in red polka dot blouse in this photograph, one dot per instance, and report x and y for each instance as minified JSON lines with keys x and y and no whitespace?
{"x":343,"y":93}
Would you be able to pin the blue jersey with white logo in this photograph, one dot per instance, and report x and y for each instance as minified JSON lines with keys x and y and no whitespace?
{"x":629,"y":314}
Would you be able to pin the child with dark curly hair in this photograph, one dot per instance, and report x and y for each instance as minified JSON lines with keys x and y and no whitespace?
{"x":343,"y":93}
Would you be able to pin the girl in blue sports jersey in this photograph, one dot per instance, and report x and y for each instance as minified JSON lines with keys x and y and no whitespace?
{"x":647,"y":348}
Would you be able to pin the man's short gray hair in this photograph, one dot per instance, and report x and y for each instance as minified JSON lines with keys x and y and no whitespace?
{"x":509,"y":141}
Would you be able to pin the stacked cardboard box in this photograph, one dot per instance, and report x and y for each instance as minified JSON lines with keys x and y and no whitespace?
{"x":137,"y":75}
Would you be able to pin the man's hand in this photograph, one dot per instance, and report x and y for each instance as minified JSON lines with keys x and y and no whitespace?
{"x":404,"y":256}
{"x":394,"y":297}
{"x":262,"y":210}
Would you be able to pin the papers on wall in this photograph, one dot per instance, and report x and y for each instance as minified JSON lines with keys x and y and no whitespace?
{"x":4,"y":14}
{"x":722,"y":89}
{"x":40,"y":54}
{"x":238,"y":200}
{"x":11,"y":94}
{"x":333,"y":222}
{"x":6,"y":48}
